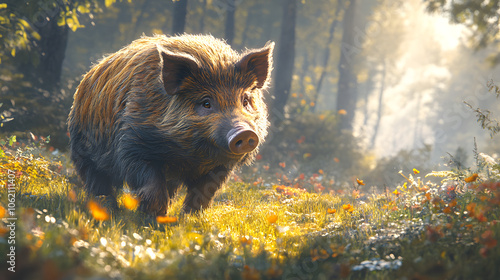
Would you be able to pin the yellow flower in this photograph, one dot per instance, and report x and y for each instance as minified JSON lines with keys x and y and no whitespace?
{"x":415,"y":171}
{"x":342,"y":112}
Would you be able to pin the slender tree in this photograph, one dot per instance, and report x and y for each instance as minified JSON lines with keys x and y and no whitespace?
{"x":229,"y":25}
{"x":180,"y":12}
{"x":326,"y":55}
{"x":285,"y":59}
{"x":202,"y":17}
{"x":346,"y":94}
{"x":380,"y":105}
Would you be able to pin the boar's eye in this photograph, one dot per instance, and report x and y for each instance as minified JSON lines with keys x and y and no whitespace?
{"x":206,"y":104}
{"x":245,"y":102}
{"x":205,"y":107}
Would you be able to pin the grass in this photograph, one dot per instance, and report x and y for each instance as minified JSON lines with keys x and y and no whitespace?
{"x":254,"y":230}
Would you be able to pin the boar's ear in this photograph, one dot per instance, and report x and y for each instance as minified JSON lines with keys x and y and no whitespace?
{"x":260,"y":62}
{"x":175,"y":67}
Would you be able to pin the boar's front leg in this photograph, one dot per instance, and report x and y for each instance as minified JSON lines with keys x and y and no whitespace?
{"x":153,"y":189}
{"x":201,"y":190}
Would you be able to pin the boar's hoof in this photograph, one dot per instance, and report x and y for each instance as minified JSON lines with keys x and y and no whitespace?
{"x":242,"y":140}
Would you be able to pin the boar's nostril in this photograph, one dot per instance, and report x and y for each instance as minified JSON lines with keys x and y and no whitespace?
{"x":242,"y":140}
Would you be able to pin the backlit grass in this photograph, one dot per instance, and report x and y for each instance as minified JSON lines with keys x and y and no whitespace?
{"x":255,"y":230}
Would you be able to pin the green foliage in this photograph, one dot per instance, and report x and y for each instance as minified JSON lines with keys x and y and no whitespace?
{"x":481,"y":17}
{"x":309,"y":142}
{"x":484,"y":116}
{"x":386,"y":174}
{"x":22,"y":21}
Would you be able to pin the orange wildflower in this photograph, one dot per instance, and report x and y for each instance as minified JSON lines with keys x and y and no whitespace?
{"x":246,"y":240}
{"x":453,"y":203}
{"x":98,"y":212}
{"x":471,"y":207}
{"x":348,"y":207}
{"x":472,"y":178}
{"x":360,"y":182}
{"x":166,"y":219}
{"x":131,"y":202}
{"x":272,"y":218}
{"x":331,"y":211}
{"x":72,"y":195}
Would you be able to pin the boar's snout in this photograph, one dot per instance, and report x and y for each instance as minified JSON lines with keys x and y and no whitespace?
{"x":242,"y":140}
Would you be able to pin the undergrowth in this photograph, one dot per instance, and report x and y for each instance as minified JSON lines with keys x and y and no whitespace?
{"x":294,"y":228}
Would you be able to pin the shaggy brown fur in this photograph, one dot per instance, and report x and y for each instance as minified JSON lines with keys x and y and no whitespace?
{"x":156,"y":115}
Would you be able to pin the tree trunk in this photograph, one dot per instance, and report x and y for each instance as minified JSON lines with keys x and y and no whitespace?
{"x":368,"y":89}
{"x":326,"y":55}
{"x":138,"y":23}
{"x":346,"y":94}
{"x":180,"y":12}
{"x":52,"y":49}
{"x":380,"y":106}
{"x":202,"y":17}
{"x":229,"y":25}
{"x":304,"y":70}
{"x":285,"y":59}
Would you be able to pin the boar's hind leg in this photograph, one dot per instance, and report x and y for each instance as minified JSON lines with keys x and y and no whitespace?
{"x":201,"y":190}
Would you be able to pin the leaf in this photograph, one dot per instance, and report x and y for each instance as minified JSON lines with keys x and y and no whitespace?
{"x":12,"y":140}
{"x":24,"y":23}
{"x":440,"y":174}
{"x":13,"y":52}
{"x":3,"y":5}
{"x":83,"y":9}
{"x":36,"y":35}
{"x":108,"y":3}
